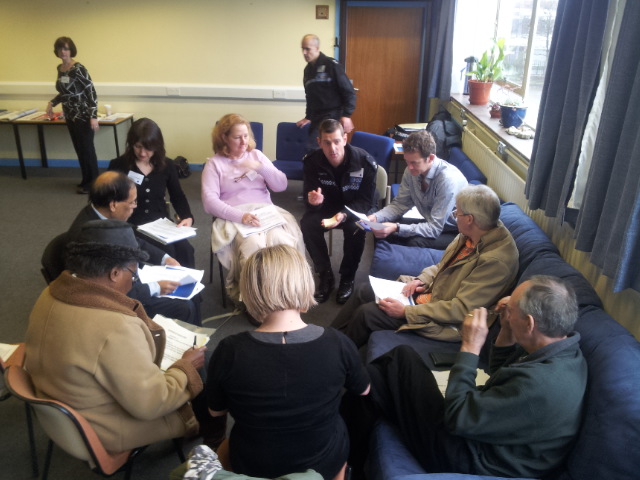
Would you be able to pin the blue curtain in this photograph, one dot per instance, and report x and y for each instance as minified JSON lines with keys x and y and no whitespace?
{"x":608,"y":224}
{"x":570,"y":84}
{"x":438,"y":61}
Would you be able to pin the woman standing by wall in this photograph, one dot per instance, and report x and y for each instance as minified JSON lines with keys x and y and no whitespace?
{"x":80,"y":107}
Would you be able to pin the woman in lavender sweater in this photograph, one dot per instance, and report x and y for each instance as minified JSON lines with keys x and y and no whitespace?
{"x":235,"y":182}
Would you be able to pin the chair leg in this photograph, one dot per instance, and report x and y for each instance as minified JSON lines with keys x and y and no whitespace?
{"x":47,"y":460}
{"x":129,"y":470}
{"x":223,"y":292}
{"x":32,"y":441}
{"x":210,"y":266}
{"x":177,"y":442}
{"x":330,"y":242}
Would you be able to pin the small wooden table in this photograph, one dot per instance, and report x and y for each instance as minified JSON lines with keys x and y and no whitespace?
{"x":39,"y":120}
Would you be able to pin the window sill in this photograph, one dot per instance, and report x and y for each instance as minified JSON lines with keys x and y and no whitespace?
{"x":480,"y":114}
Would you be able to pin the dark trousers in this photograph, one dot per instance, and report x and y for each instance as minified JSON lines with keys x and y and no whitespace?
{"x":360,"y":316}
{"x":182,"y":251}
{"x":313,"y":234}
{"x":438,"y":243}
{"x":404,"y":391}
{"x":82,"y":139}
{"x":184,"y":310}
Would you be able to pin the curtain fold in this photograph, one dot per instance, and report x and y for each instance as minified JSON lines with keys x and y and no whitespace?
{"x":438,"y":60}
{"x":608,"y":225}
{"x":570,"y":83}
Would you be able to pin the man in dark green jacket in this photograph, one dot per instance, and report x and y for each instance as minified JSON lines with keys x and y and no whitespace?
{"x":523,"y":421}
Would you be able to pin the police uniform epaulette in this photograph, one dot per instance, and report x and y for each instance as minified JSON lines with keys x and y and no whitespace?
{"x":371,"y":160}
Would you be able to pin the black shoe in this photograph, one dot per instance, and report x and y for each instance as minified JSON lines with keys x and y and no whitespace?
{"x":344,"y":291}
{"x":325,"y":286}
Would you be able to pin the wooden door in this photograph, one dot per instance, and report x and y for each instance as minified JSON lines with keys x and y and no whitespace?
{"x":383,"y":53}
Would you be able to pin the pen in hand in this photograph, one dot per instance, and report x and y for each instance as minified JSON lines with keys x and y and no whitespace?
{"x":194,"y":341}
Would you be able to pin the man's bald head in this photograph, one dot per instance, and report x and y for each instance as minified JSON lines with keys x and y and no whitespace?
{"x":110,"y":187}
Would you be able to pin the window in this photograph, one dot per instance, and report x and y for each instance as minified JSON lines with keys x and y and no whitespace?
{"x":527,"y":27}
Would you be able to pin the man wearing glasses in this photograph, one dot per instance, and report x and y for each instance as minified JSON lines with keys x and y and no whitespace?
{"x":91,"y":346}
{"x":113,"y":196}
{"x":476,"y":270}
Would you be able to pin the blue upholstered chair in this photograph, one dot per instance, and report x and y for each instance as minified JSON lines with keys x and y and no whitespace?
{"x":258,"y":133}
{"x":291,"y":144}
{"x":378,"y":146}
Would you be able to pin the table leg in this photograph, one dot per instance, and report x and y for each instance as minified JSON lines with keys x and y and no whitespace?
{"x":43,"y":149}
{"x":115,"y":135}
{"x":16,"y":135}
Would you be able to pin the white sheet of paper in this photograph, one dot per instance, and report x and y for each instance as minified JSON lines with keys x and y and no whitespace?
{"x":269,"y":218}
{"x":182,"y":275}
{"x":383,"y":288}
{"x":413,"y":214}
{"x":6,"y":350}
{"x":363,"y":220}
{"x":442,"y":377}
{"x":165,"y":231}
{"x":180,"y":338}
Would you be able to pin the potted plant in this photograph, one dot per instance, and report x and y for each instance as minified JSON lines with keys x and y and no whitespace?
{"x":488,"y":69}
{"x":512,"y":113}
{"x":512,"y":108}
{"x":494,"y":109}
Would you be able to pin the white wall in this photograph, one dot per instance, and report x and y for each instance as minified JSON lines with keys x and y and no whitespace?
{"x":219,"y":56}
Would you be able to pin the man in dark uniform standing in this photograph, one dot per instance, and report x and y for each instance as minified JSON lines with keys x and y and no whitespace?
{"x":336,"y":176}
{"x":328,"y":90}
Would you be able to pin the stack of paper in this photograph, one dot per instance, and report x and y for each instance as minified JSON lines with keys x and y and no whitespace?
{"x":6,"y":350}
{"x":32,"y":115}
{"x":389,"y":289}
{"x":181,"y":336}
{"x":190,"y":280}
{"x":442,"y":377}
{"x":269,"y":218}
{"x":17,"y":114}
{"x":165,"y":231}
{"x":364,"y":223}
{"x":413,"y":214}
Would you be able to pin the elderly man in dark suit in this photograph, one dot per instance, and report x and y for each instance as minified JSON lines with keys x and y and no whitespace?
{"x":113,"y":196}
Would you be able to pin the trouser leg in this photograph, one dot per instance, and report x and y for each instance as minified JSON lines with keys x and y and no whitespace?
{"x":439,"y":243}
{"x":406,"y":392}
{"x":184,"y":310}
{"x":359,"y":414}
{"x":362,"y":293}
{"x":367,"y":319}
{"x":82,"y":139}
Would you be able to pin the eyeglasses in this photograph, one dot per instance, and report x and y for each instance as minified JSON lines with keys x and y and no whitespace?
{"x":455,"y":213}
{"x":134,"y":275}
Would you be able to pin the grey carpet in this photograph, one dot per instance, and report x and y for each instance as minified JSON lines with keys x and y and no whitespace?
{"x":33,"y":211}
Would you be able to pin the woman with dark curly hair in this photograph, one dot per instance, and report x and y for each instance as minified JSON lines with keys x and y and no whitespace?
{"x":80,"y":107}
{"x":145,"y":162}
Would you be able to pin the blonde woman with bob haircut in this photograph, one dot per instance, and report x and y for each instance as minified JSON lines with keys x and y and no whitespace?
{"x":235,"y":182}
{"x":283,"y":382}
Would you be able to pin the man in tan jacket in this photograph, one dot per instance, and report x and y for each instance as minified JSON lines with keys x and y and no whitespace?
{"x":477,"y":268}
{"x":94,"y":348}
